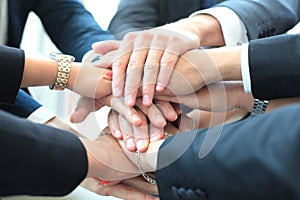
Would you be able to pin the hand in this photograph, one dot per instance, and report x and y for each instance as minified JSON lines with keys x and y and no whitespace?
{"x":156,"y":49}
{"x":138,"y":137}
{"x":216,"y":97}
{"x":92,"y":78}
{"x":100,"y":164}
{"x":101,"y":150}
{"x":131,"y":189}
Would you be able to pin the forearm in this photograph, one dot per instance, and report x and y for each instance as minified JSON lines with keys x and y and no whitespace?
{"x":84,"y":78}
{"x":38,"y":71}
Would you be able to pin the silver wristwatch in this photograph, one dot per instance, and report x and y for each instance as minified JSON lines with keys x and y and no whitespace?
{"x":259,"y":107}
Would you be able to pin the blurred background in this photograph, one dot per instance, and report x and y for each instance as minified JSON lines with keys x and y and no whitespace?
{"x":62,"y":103}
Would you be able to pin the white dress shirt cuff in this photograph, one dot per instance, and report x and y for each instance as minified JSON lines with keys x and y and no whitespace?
{"x":245,"y":68}
{"x":233,"y":28}
{"x":41,"y":115}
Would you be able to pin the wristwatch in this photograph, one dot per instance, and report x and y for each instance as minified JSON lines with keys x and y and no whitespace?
{"x":64,"y":63}
{"x":259,"y":107}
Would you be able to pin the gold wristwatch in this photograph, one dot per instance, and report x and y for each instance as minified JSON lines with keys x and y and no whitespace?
{"x":64,"y":63}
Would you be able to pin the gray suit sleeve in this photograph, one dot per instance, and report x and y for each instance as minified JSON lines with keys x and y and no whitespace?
{"x":264,"y":18}
{"x":134,"y":14}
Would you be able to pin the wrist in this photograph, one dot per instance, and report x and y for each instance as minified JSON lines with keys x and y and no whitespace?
{"x":208,"y":29}
{"x":227,"y":61}
{"x":73,"y":75}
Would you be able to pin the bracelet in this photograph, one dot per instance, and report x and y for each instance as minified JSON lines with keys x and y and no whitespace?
{"x":63,"y":70}
{"x":138,"y":164}
{"x":259,"y":107}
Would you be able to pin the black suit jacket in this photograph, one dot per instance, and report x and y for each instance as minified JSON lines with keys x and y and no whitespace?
{"x":140,"y":14}
{"x":256,"y":158}
{"x":35,"y":159}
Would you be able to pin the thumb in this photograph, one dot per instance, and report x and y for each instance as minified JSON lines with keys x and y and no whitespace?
{"x":79,"y":115}
{"x":104,"y":47}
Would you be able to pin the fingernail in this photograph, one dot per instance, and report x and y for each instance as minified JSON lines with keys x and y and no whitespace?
{"x":130,"y":144}
{"x":118,"y":134}
{"x":140,"y":145}
{"x":136,"y":119}
{"x":109,"y":73}
{"x":103,"y":182}
{"x":146,"y":100}
{"x":116,"y":91}
{"x":155,"y":137}
{"x":159,"y":87}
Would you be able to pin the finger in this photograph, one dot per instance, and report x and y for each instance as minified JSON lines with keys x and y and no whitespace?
{"x":118,"y":105}
{"x":120,"y":64}
{"x":167,"y":64}
{"x":153,"y":113}
{"x":113,"y":124}
{"x":141,"y":136}
{"x":151,"y":68}
{"x":134,"y":75}
{"x":186,"y":123}
{"x":126,"y":192}
{"x":103,"y":47}
{"x":155,"y":133}
{"x":84,"y":107}
{"x":140,"y":184}
{"x":136,"y":66}
{"x":177,"y":108}
{"x":127,"y":133}
{"x":105,"y":61}
{"x":167,"y":110}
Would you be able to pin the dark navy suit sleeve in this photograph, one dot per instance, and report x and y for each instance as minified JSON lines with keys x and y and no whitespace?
{"x":256,"y":158}
{"x":71,"y":27}
{"x":38,"y":159}
{"x":24,"y":105}
{"x":274,"y":67}
{"x":265,"y":18}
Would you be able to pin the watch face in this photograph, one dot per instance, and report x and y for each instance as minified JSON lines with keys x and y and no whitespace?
{"x":59,"y":56}
{"x":54,"y":56}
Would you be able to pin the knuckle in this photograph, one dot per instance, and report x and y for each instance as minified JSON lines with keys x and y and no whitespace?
{"x":168,"y":60}
{"x":134,"y":65}
{"x":151,"y":65}
{"x":130,"y":36}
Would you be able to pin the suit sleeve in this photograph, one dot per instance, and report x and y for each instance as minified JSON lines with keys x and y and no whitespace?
{"x":256,"y":158}
{"x":11,"y":72}
{"x":133,"y":15}
{"x":265,"y":18}
{"x":37,"y":159}
{"x":70,"y":26}
{"x":24,"y":105}
{"x":274,"y":67}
